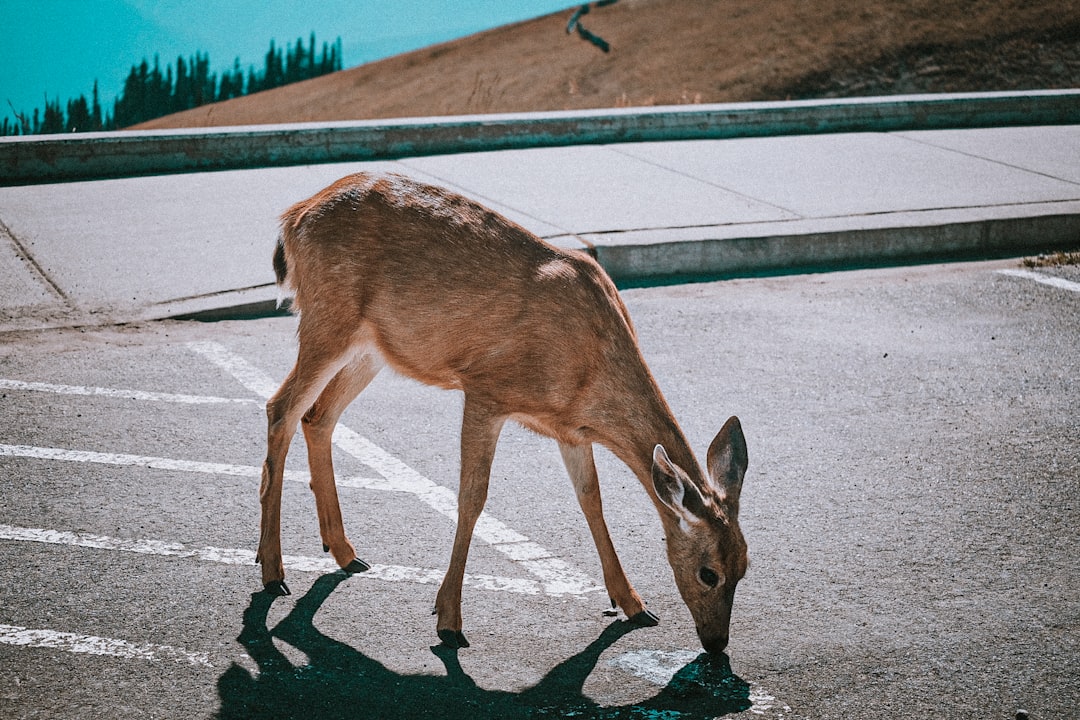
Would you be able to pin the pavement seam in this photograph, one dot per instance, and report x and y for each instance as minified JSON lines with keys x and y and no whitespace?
{"x":36,"y":270}
{"x":906,"y":134}
{"x":481,"y":197}
{"x":216,"y":293}
{"x":668,"y":168}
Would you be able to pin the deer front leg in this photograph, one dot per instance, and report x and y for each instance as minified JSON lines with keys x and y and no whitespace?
{"x":582,"y":469}
{"x":318,"y":424}
{"x":480,"y":429}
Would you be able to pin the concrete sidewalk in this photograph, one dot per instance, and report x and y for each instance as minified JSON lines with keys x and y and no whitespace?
{"x":200,"y":244}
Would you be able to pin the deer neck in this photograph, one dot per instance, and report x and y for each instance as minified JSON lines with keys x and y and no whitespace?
{"x":649,"y":423}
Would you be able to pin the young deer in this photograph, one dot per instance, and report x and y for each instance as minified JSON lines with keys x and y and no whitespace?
{"x":386,"y":270}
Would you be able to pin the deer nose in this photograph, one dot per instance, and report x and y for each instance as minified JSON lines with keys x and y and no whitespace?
{"x":714,"y":644}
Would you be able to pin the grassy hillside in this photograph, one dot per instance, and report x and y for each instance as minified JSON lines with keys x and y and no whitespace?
{"x":688,"y":51}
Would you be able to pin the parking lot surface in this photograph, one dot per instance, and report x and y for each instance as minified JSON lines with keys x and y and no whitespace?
{"x":910,"y":508}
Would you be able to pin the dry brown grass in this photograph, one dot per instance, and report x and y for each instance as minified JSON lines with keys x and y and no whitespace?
{"x":1053,"y":260}
{"x":663,"y":52}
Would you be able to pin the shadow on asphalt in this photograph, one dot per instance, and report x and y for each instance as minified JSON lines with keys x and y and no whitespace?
{"x":341,"y":682}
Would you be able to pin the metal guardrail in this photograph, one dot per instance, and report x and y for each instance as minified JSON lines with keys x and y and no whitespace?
{"x":94,"y":156}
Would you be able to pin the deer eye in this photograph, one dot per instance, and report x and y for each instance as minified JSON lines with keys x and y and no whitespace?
{"x":708,"y":576}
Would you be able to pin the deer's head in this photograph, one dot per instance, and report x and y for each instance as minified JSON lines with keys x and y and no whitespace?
{"x":705,"y":546}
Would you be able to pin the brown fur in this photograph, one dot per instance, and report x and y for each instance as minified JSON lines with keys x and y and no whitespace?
{"x":388,"y":270}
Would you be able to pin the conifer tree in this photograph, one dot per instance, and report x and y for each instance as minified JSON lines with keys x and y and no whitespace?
{"x":78,"y":115}
{"x":53,"y":121}
{"x":149,"y":91}
{"x":95,"y":111}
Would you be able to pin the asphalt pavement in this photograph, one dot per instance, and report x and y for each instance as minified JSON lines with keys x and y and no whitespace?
{"x":910,"y":508}
{"x":200,"y":244}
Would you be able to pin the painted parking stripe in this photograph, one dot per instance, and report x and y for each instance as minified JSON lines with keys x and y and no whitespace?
{"x":240,"y":369}
{"x":659,"y":667}
{"x":556,"y":574}
{"x":1050,"y":280}
{"x":8,"y":384}
{"x":95,"y":645}
{"x":234,"y":556}
{"x":162,"y":463}
{"x":557,"y":577}
{"x":158,"y":463}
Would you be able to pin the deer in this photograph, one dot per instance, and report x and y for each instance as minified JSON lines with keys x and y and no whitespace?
{"x":385,"y":270}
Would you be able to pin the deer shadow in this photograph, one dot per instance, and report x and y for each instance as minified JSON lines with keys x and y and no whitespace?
{"x":341,"y":682}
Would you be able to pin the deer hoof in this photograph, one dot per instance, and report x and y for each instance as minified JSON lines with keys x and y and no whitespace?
{"x":644,"y":619}
{"x":356,"y":566}
{"x":325,"y":547}
{"x":277,"y":588}
{"x":453,"y":639}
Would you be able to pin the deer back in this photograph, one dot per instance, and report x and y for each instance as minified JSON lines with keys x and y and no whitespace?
{"x":455,"y":295}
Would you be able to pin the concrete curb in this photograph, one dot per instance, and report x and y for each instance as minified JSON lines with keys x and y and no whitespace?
{"x":659,"y":257}
{"x":95,"y":156}
{"x":700,"y":254}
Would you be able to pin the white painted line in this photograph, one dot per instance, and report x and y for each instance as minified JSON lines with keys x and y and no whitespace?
{"x":762,"y":702}
{"x":1050,"y":280}
{"x":232,"y":556}
{"x":656,"y":666}
{"x":94,"y":645}
{"x":659,"y":667}
{"x":7,"y":384}
{"x":158,"y":463}
{"x":240,"y":369}
{"x":559,"y":577}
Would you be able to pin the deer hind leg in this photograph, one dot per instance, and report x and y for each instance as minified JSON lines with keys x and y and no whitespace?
{"x":582,"y":469}
{"x":318,"y":424}
{"x":480,"y":429}
{"x":313,"y":370}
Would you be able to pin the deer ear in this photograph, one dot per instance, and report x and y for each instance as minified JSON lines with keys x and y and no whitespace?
{"x":727,"y":462}
{"x":674,"y":488}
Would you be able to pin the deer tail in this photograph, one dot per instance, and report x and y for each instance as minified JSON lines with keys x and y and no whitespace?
{"x":281,"y":270}
{"x":281,"y":266}
{"x":286,"y":245}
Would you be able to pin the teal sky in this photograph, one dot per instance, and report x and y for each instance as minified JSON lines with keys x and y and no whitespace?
{"x":57,"y":48}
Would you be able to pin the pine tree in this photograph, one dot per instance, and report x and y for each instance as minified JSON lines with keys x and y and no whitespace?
{"x":254,"y":83}
{"x":232,"y":82}
{"x":149,"y":92}
{"x":181,"y":90}
{"x":141,"y":85}
{"x":157,"y":93}
{"x":53,"y":121}
{"x":78,"y":115}
{"x":95,"y":111}
{"x":273,"y":73}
